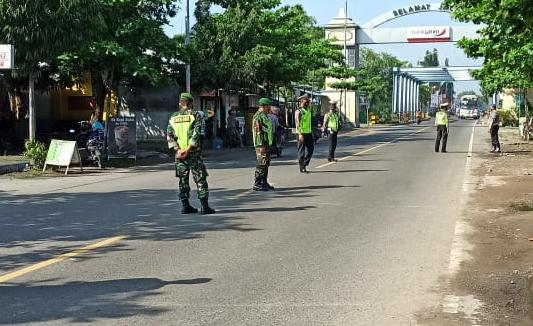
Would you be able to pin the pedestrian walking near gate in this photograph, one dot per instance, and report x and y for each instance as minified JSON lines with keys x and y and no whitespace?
{"x":494,"y":127}
{"x":184,"y":135}
{"x":263,"y":136}
{"x":306,"y":145}
{"x":332,"y":125}
{"x":441,"y":122}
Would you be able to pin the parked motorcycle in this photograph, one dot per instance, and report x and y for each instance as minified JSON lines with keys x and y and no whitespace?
{"x":91,"y":143}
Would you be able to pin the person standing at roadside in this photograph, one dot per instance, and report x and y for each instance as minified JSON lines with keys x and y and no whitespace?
{"x":494,"y":127}
{"x":441,"y":122}
{"x":332,"y":125}
{"x":306,"y":145}
{"x":263,"y":136}
{"x":184,"y":135}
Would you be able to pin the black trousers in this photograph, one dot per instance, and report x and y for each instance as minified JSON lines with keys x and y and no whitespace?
{"x":332,"y":144}
{"x":305,"y":150}
{"x":442,"y":133}
{"x":494,"y":137}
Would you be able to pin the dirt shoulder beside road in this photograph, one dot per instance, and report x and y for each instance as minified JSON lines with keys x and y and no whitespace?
{"x":495,"y":285}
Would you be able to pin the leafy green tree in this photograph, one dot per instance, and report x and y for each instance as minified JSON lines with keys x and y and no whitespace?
{"x":40,"y":30}
{"x":505,"y":41}
{"x":373,"y":78}
{"x":255,"y":44}
{"x":130,"y":47}
{"x":431,"y":59}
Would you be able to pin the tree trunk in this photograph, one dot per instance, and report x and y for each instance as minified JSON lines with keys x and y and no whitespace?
{"x":99,"y":92}
{"x":31,"y":106}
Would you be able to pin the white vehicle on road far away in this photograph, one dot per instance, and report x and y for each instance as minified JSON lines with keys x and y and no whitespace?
{"x":468,"y":113}
{"x":469,"y":107}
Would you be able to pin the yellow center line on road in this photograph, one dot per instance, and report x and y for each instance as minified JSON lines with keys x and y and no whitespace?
{"x":35,"y":267}
{"x":371,"y":149}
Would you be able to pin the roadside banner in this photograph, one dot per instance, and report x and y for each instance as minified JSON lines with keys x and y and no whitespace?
{"x":434,"y":101}
{"x":63,"y":153}
{"x":122,"y":137}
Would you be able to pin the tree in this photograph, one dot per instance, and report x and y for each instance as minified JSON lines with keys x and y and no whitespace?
{"x":373,"y":78}
{"x":431,"y":59}
{"x":40,"y":30}
{"x":505,"y":41}
{"x":130,"y":47}
{"x":253,"y":45}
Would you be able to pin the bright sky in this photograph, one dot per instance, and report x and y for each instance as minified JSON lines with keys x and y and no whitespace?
{"x":362,"y":11}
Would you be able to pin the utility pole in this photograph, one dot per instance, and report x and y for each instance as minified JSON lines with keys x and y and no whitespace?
{"x":187,"y":43}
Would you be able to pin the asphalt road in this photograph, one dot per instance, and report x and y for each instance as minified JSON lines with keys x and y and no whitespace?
{"x":364,"y":241}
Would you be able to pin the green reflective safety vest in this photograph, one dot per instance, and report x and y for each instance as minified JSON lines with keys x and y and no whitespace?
{"x":181,"y":124}
{"x":442,"y":118}
{"x":305,"y":121}
{"x":333,"y":122}
{"x":262,"y":137}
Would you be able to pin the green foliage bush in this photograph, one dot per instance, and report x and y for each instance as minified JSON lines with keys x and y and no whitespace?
{"x":36,"y":152}
{"x":508,"y":118}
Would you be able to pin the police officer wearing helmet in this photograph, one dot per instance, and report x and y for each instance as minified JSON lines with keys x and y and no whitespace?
{"x":184,"y":135}
{"x":263,"y":135}
{"x":306,"y":144}
{"x":441,"y":122}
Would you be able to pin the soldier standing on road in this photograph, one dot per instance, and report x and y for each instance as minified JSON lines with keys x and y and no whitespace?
{"x":441,"y":122}
{"x":332,"y":125}
{"x":306,"y":145}
{"x":184,"y":135}
{"x":494,"y":127}
{"x":263,"y":135}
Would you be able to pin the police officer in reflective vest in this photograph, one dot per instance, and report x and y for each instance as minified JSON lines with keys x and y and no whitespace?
{"x":263,"y":135}
{"x":306,"y":144}
{"x":332,"y":125}
{"x":184,"y":135}
{"x":441,"y":122}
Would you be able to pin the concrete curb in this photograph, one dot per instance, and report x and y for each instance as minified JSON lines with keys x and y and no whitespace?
{"x":13,"y":167}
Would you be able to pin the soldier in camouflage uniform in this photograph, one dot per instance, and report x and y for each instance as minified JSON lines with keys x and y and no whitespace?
{"x":184,"y":135}
{"x":263,"y":137}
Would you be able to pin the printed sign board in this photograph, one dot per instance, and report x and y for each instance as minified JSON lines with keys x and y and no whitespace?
{"x":7,"y":56}
{"x":63,"y":153}
{"x":429,"y":34}
{"x":122,"y":137}
{"x":435,"y":101}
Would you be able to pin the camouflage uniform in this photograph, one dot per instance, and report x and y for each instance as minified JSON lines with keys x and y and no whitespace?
{"x":263,"y":137}
{"x":194,"y":160}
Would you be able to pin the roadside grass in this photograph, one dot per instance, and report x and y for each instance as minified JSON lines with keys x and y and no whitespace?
{"x":522,"y":206}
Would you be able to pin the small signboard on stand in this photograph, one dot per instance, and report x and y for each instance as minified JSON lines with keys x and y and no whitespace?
{"x":122,"y":137}
{"x":63,"y":153}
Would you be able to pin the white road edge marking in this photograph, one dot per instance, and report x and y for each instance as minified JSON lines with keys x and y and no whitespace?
{"x":371,"y":149}
{"x":453,"y":304}
{"x":460,"y":246}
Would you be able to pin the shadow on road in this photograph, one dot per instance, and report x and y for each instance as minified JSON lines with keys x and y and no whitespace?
{"x":348,"y":171}
{"x":82,"y":302}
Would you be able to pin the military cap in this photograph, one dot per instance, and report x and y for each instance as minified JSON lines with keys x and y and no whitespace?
{"x":186,"y":96}
{"x":265,"y":101}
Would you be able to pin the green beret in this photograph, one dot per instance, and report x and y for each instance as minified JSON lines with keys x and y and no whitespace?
{"x":186,"y":96}
{"x":265,"y":101}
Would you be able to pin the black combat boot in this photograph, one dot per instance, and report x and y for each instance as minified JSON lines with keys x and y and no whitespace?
{"x":187,"y":208}
{"x":267,"y":185}
{"x":206,"y":210}
{"x":259,"y":185}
